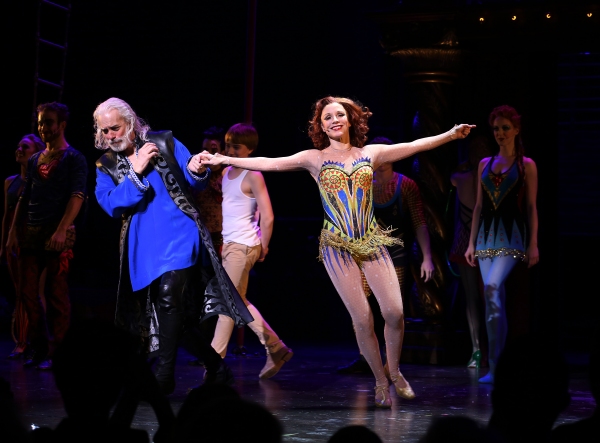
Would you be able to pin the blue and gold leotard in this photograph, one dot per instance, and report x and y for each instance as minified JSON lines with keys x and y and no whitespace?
{"x":349,"y":226}
{"x":502,"y":229}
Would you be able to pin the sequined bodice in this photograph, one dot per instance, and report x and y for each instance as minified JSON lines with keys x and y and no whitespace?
{"x":500,"y":187}
{"x":347,"y":198}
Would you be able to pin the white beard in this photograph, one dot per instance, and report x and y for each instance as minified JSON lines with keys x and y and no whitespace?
{"x":119,"y":145}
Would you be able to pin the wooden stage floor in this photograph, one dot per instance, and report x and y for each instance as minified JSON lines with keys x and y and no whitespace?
{"x":309,"y":398}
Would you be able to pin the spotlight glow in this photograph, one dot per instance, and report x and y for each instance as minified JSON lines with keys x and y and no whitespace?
{"x":514,"y":17}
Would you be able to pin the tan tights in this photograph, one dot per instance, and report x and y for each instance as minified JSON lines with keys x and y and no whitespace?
{"x":381,"y":276}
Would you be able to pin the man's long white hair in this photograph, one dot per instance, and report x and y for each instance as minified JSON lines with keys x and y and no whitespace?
{"x":133,"y":122}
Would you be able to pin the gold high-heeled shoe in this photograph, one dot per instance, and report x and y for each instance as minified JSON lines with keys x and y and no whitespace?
{"x":405,"y":392}
{"x":382,"y":396}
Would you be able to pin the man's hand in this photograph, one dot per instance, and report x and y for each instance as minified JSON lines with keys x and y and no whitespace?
{"x":217,"y":159}
{"x":140,"y":160}
{"x":196,"y":165}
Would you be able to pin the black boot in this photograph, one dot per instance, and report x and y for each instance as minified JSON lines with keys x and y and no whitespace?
{"x":169,"y":329}
{"x":197,"y":345}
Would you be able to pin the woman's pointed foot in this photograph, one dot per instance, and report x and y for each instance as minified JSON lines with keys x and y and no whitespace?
{"x":403,"y":388}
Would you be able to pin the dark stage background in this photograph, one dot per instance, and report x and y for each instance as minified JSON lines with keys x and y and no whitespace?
{"x":182,"y":66}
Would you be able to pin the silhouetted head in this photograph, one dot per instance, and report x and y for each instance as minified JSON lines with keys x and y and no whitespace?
{"x":216,"y":414}
{"x":531,"y":382}
{"x":91,"y":365}
{"x":456,"y":429}
{"x":354,"y":434}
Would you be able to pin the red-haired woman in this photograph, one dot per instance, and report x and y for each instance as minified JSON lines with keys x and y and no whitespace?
{"x":505,"y":222}
{"x":350,"y":240}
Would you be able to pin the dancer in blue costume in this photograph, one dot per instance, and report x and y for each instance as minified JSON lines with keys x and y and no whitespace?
{"x":505,"y":223}
{"x":164,"y":289}
{"x":350,"y":240}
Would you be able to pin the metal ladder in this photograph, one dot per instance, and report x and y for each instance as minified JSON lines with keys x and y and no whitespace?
{"x":51,"y":53}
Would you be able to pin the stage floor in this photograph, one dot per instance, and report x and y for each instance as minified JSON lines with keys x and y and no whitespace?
{"x":309,"y":398}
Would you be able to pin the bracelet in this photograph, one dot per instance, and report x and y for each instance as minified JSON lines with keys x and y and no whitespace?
{"x":195,"y":176}
{"x":135,"y":180}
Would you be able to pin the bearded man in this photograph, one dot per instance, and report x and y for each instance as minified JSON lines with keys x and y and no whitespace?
{"x":165,"y":287}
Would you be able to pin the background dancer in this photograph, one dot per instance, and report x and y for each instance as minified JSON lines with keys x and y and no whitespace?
{"x":350,"y":240}
{"x":247,"y":228}
{"x":54,"y":193}
{"x":13,"y":187}
{"x":465,"y":179}
{"x":505,"y":223}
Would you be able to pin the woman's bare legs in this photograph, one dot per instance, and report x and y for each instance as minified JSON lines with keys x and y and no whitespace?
{"x":381,"y":276}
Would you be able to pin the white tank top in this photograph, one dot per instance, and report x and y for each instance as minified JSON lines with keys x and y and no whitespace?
{"x":240,"y":213}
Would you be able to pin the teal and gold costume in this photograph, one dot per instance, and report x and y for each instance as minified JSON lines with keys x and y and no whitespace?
{"x":502,"y":229}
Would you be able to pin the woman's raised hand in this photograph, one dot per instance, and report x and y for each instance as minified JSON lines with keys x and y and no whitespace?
{"x":210,"y":159}
{"x":461,"y":131}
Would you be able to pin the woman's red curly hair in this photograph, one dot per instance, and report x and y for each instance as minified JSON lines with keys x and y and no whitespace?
{"x":357,"y":117}
{"x":511,"y":114}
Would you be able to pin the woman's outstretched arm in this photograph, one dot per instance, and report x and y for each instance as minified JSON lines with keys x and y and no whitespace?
{"x":301,"y":160}
{"x":392,"y":153}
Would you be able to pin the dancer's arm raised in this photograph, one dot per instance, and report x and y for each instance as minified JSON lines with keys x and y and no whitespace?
{"x":392,"y":153}
{"x":299,"y":161}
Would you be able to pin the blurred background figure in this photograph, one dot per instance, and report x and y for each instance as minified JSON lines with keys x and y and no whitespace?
{"x":504,"y":229}
{"x":13,"y":187}
{"x":464,"y":179}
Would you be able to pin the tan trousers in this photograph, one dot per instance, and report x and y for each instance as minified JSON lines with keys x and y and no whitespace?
{"x":238,"y":260}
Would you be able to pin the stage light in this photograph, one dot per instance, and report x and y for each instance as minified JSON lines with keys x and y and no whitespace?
{"x":481,"y":19}
{"x":514,"y":17}
{"x":589,"y":14}
{"x":548,"y":16}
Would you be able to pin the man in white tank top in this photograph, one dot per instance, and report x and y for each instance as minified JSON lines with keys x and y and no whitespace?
{"x":247,"y":228}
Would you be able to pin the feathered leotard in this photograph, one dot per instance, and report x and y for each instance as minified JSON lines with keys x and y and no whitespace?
{"x":502,"y":228}
{"x":349,"y":226}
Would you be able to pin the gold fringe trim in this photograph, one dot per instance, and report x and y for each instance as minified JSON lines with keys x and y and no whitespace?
{"x":501,"y":252}
{"x":362,"y":249}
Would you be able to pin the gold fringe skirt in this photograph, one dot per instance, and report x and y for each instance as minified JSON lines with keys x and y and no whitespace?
{"x":361,"y":249}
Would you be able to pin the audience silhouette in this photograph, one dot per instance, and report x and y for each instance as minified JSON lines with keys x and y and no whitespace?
{"x":457,"y":429}
{"x":587,"y":429}
{"x":354,"y":434}
{"x":101,"y":382}
{"x":215,"y":413}
{"x":531,"y":388}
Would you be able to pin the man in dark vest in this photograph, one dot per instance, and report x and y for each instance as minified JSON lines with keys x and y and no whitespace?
{"x":165,"y":287}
